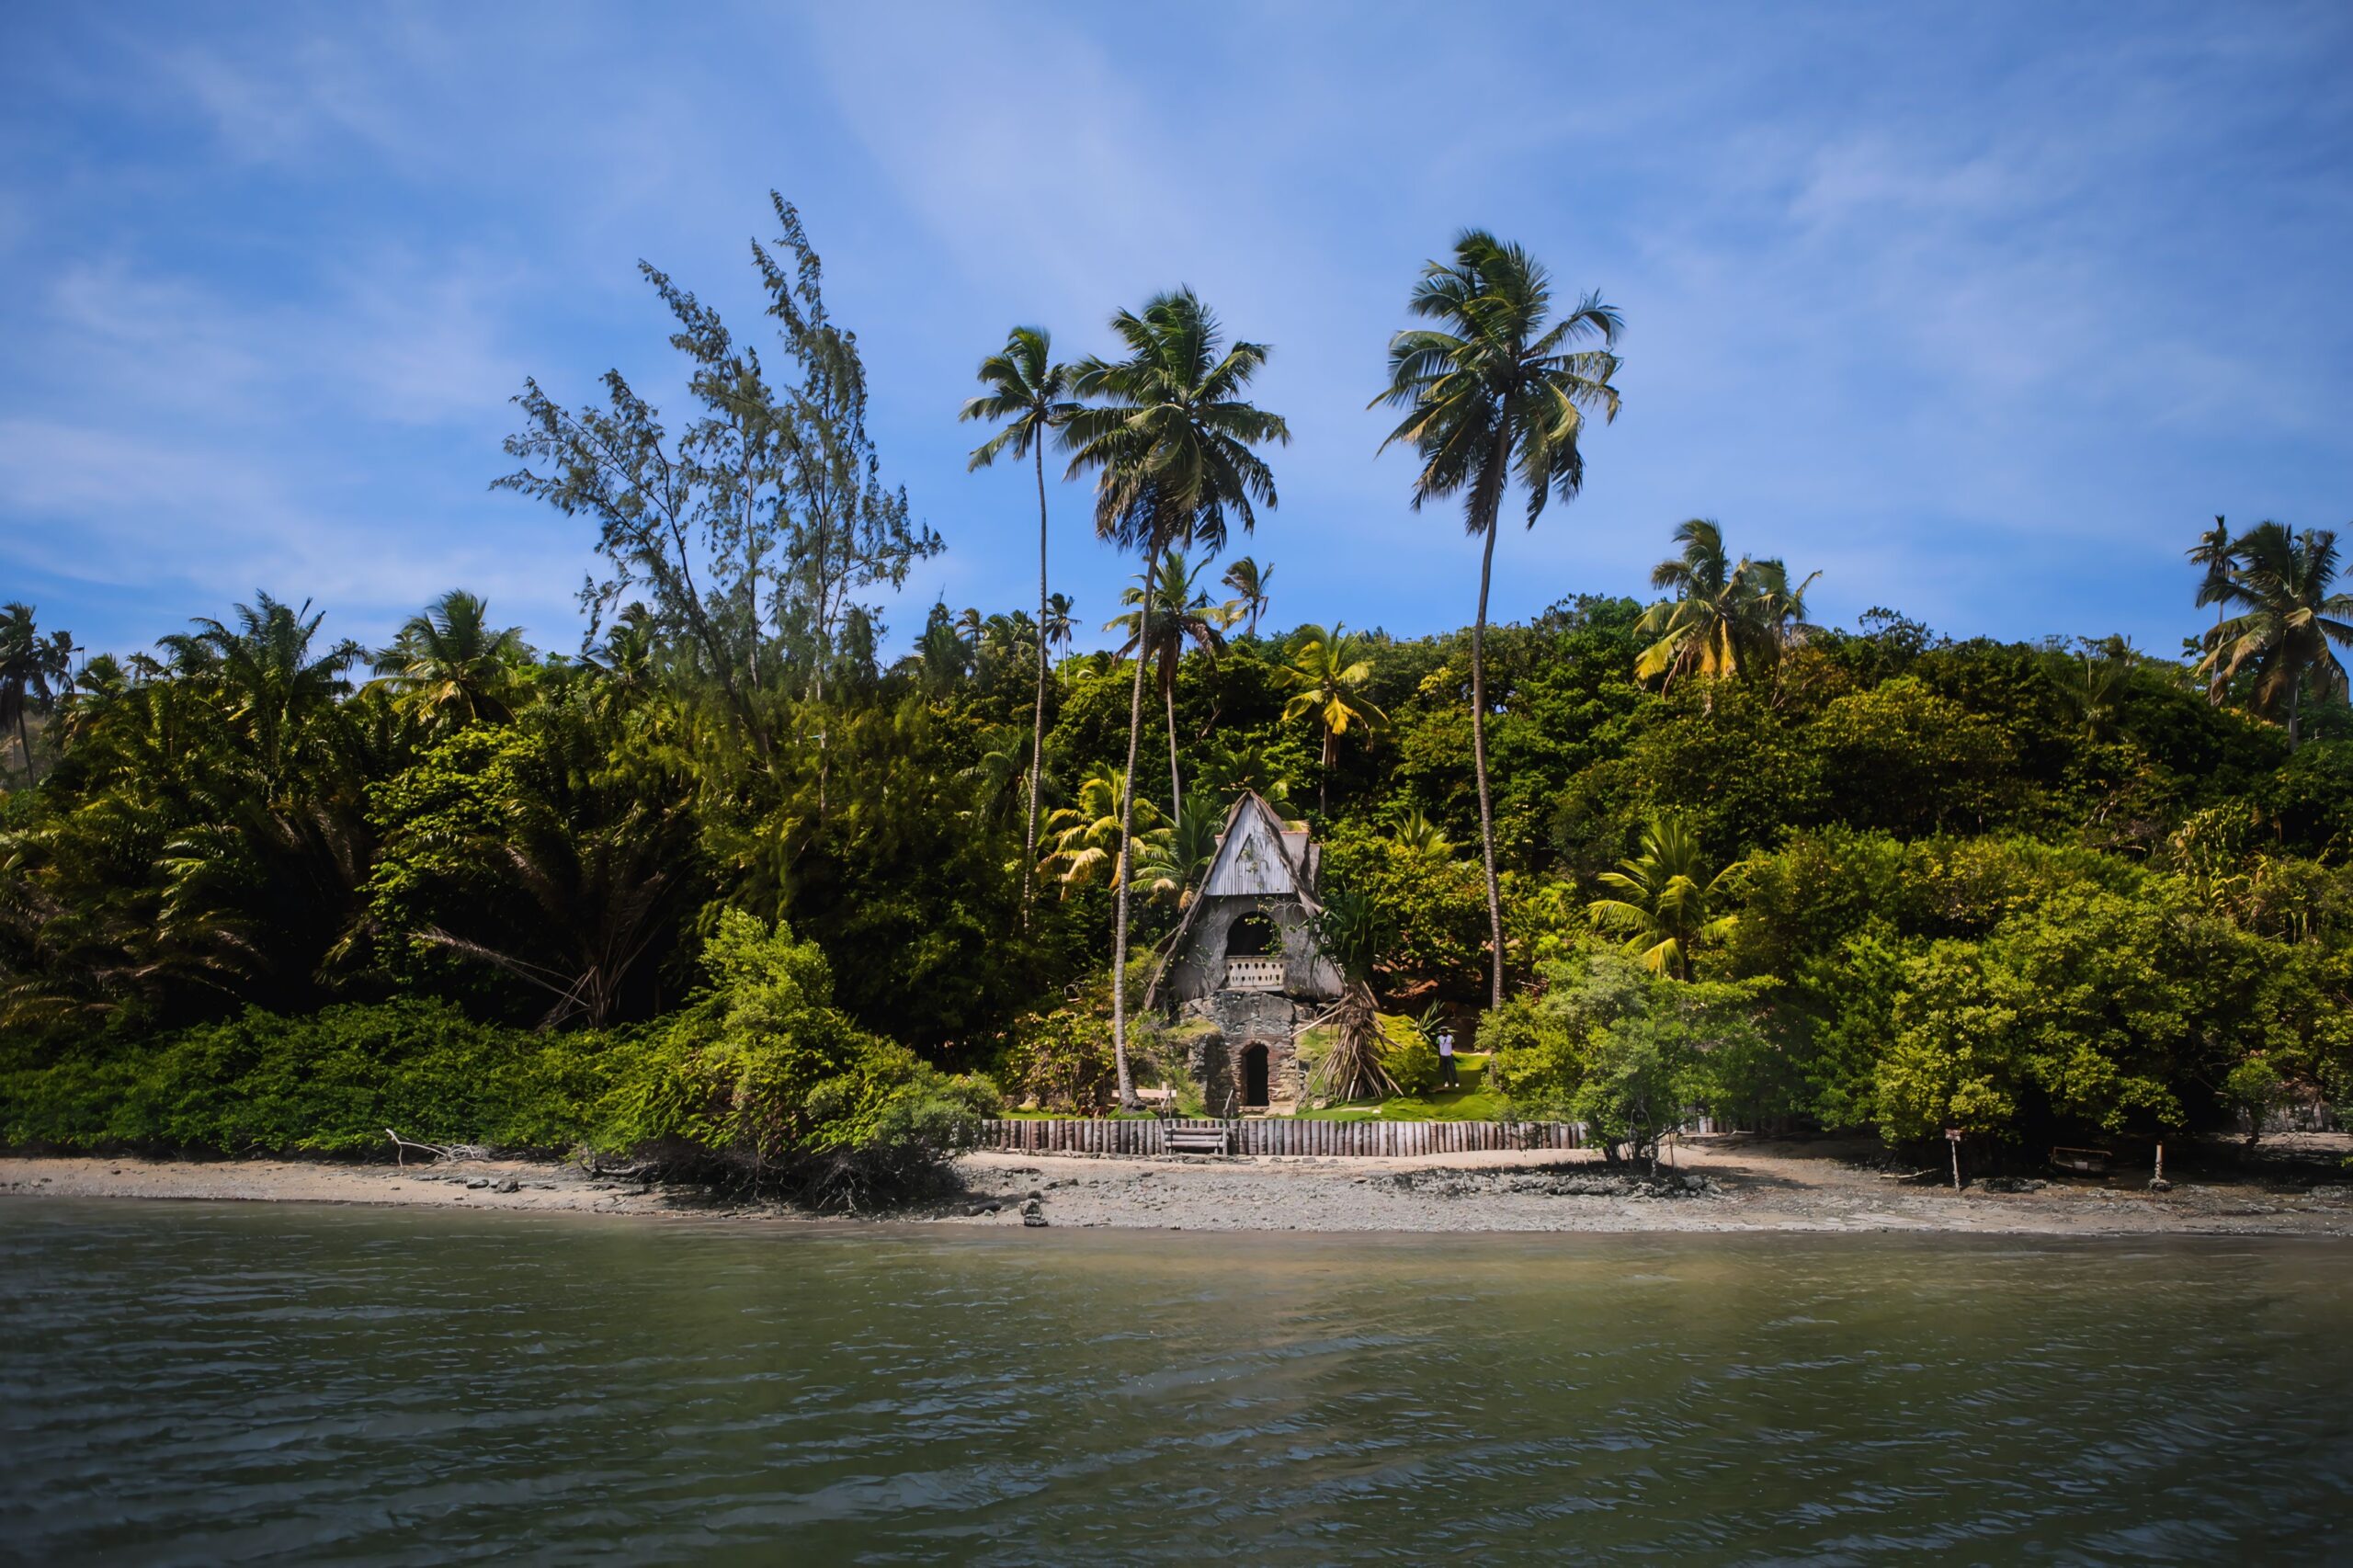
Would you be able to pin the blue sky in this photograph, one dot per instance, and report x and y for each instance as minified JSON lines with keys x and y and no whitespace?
{"x":1983,"y":310}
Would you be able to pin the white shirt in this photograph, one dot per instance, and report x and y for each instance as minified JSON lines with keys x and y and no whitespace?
{"x":1445,"y":1045}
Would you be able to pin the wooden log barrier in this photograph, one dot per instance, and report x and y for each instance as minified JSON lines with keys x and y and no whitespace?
{"x":1276,"y":1136}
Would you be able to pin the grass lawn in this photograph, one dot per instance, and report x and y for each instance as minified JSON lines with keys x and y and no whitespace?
{"x":1472,"y":1102}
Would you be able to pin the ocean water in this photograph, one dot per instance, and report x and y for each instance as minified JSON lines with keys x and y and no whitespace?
{"x":220,"y":1383}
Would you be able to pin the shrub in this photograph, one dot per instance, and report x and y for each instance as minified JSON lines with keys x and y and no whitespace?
{"x":1063,"y":1060}
{"x":762,"y":1079}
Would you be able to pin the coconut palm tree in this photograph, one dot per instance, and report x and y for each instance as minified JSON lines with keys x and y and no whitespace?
{"x":1703,"y":628}
{"x":2280,"y":584}
{"x":1171,"y":865}
{"x":2217,"y":552}
{"x":1171,"y":445}
{"x":2096,"y":681}
{"x":1249,"y":580}
{"x":1180,"y":614}
{"x":1325,"y":673}
{"x":1029,"y":394}
{"x":1662,"y":910}
{"x":1727,"y":619}
{"x":1083,"y":839}
{"x":1058,"y":624}
{"x":448,"y":666}
{"x":1497,"y":390}
{"x":32,"y":669}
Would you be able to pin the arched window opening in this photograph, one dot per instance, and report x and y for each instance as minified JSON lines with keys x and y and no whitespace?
{"x":1253,"y":937}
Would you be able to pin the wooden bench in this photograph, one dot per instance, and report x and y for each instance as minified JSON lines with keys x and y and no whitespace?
{"x":2091,"y":1162}
{"x":1196,"y":1141}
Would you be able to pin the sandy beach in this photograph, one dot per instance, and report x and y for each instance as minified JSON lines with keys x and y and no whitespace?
{"x":1716,"y":1184}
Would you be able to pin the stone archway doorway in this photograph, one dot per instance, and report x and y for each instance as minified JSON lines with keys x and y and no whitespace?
{"x":1254,"y":1075}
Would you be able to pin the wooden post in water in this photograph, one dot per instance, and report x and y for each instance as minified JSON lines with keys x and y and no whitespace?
{"x":1953,"y":1136}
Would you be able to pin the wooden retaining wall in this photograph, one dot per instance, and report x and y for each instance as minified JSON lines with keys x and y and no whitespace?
{"x":1282,"y":1135}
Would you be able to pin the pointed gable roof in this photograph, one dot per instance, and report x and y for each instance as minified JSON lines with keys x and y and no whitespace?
{"x":1255,"y":854}
{"x":1257,"y":847}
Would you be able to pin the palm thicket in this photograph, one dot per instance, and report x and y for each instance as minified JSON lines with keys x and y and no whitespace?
{"x":1171,"y":443}
{"x":1497,"y":392}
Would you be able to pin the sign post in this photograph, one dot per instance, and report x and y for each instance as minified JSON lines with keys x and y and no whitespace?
{"x":1953,"y":1136}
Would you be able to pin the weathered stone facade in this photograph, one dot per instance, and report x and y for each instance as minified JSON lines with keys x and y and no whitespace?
{"x":1218,"y":1058}
{"x":1255,"y":982}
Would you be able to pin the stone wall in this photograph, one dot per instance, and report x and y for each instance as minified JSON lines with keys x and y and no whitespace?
{"x":1239,"y":1020}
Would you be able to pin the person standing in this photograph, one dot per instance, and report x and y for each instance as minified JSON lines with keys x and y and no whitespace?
{"x":1445,"y":1060}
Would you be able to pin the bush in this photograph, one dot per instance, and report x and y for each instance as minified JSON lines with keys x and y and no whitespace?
{"x":1411,"y":1058}
{"x":760,"y":1080}
{"x":329,"y":1082}
{"x":1623,"y":1051}
{"x":1063,"y":1060}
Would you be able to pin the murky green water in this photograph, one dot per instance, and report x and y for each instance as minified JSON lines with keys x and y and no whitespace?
{"x":204,"y":1383}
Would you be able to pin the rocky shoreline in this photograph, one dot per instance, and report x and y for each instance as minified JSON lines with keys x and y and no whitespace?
{"x":1716,"y":1185}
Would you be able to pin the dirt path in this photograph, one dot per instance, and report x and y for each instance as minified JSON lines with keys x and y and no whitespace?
{"x":1719,"y":1184}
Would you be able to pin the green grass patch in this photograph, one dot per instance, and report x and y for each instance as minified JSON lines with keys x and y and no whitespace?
{"x":1472,"y":1102}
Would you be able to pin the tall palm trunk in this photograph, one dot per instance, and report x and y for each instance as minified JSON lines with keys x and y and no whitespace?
{"x":25,"y":744}
{"x":1479,"y":750}
{"x":1127,"y":838}
{"x":1175,"y":786}
{"x":1038,"y":715}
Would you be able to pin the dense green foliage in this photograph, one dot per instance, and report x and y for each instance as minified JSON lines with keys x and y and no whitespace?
{"x":250,"y":900}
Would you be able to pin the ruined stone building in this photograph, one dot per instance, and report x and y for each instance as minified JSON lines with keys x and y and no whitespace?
{"x":1243,"y":974}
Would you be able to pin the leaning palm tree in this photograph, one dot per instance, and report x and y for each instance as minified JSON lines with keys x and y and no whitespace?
{"x":1249,"y":580}
{"x":2288,"y":617}
{"x":1325,"y":675}
{"x":1497,"y":392}
{"x":450,"y":666}
{"x":1171,"y":447}
{"x":1030,"y":394}
{"x":1180,"y":614}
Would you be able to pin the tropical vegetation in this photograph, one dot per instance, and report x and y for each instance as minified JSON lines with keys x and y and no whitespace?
{"x":730,"y":886}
